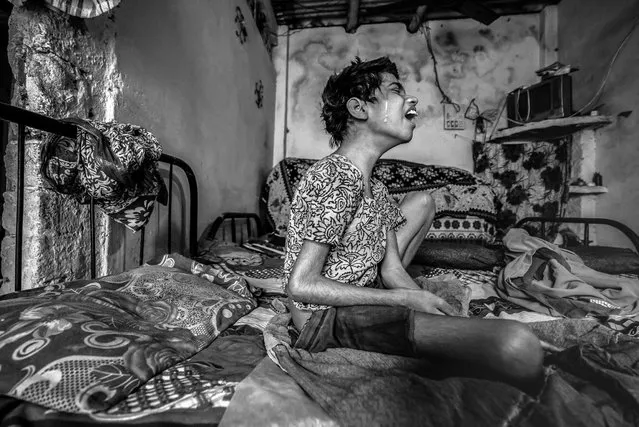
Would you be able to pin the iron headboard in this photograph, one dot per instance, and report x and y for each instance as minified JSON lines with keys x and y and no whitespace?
{"x":24,"y":118}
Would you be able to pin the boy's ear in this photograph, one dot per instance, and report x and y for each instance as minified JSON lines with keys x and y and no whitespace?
{"x":357,"y":108}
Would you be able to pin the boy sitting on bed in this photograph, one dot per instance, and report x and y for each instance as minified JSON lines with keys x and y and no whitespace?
{"x":348,"y":244}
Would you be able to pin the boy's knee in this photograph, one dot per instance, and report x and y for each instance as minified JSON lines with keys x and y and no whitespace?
{"x":520,"y":351}
{"x":421,"y":198}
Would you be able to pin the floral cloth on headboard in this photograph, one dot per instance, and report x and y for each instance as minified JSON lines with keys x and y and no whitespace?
{"x":527,"y":179}
{"x":465,"y":203}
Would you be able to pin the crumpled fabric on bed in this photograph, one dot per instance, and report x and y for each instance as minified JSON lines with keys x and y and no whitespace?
{"x":113,"y":163}
{"x":532,"y":280}
{"x":593,"y":381}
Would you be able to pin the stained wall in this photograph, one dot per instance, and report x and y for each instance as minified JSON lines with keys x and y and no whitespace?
{"x":189,"y":78}
{"x":590,"y":33}
{"x":474,"y":61}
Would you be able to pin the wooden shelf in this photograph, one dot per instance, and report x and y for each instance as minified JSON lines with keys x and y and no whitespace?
{"x":548,"y":130}
{"x":585,"y":190}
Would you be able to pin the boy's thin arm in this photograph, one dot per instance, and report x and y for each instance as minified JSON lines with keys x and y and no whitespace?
{"x":308,"y":284}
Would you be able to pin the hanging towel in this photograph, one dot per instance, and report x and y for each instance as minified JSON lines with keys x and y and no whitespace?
{"x":115,"y":164}
{"x":547,"y":279}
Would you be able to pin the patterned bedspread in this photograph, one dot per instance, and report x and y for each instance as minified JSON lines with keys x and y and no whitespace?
{"x":154,"y":344}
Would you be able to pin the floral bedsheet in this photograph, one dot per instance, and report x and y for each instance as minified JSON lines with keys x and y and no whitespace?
{"x":84,"y":346}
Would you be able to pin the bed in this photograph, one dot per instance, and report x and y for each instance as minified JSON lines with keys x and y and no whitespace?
{"x":195,"y":341}
{"x":157,"y":344}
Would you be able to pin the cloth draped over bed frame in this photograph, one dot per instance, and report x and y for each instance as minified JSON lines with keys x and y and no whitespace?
{"x":113,"y":164}
{"x":60,"y":129}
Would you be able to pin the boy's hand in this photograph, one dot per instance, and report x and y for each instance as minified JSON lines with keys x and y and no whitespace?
{"x":426,"y":302}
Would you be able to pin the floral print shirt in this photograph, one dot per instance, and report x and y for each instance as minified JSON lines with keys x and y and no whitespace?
{"x":330,"y":207}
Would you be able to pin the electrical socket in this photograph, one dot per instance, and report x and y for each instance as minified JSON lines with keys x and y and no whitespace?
{"x":453,"y":119}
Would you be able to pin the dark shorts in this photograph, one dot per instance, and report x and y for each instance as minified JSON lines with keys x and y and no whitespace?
{"x":380,"y":329}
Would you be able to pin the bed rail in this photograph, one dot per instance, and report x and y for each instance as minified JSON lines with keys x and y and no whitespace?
{"x":24,"y":118}
{"x":627,"y":231}
{"x":235,"y":218}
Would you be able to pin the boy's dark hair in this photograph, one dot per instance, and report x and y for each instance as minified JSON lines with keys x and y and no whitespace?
{"x":360,"y":80}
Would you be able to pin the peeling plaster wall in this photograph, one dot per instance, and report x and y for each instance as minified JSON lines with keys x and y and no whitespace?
{"x":177,"y":69}
{"x":189,"y":79}
{"x":589,"y":34}
{"x":474,"y":61}
{"x":62,"y":67}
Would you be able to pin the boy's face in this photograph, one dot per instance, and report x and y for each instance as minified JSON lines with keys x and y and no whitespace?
{"x":394,"y":112}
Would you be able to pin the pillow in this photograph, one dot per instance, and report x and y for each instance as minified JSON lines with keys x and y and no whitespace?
{"x":467,"y":228}
{"x":84,"y":346}
{"x":462,"y":255}
{"x":608,"y":259}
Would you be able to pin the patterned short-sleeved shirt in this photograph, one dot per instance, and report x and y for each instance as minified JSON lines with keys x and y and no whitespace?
{"x":330,"y":207}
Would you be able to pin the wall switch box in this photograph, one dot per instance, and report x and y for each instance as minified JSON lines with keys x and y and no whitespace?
{"x":454,"y":118}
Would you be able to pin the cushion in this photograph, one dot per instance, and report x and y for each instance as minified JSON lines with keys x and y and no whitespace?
{"x":608,"y":259}
{"x":462,"y":255}
{"x":465,"y":228}
{"x":84,"y":346}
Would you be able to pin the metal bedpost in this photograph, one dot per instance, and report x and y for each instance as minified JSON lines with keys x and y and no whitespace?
{"x":193,"y":192}
{"x":142,"y":246}
{"x":92,"y":237}
{"x":586,"y":234}
{"x":19,"y":207}
{"x":170,"y":206}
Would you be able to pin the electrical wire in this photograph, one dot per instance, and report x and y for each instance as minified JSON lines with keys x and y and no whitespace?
{"x":445,"y":98}
{"x":612,"y":62}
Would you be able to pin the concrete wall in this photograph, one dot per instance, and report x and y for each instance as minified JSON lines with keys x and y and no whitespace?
{"x":62,"y":68}
{"x":589,"y":34}
{"x":189,"y":79}
{"x":474,"y":61}
{"x":177,"y":69}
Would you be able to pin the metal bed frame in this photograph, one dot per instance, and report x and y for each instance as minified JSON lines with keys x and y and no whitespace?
{"x":24,"y":118}
{"x":235,"y":218}
{"x":587,"y":222}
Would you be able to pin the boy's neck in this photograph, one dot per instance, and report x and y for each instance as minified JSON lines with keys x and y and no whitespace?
{"x":362,"y":156}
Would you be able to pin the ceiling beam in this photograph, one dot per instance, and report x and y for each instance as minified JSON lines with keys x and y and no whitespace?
{"x":353,"y":16}
{"x":417,"y":19}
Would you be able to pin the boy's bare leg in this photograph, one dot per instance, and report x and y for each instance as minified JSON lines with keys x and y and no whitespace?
{"x":502,"y":350}
{"x":419,"y":209}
